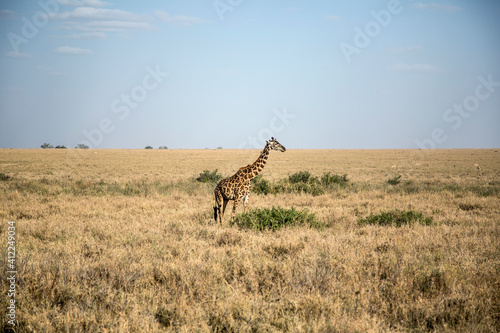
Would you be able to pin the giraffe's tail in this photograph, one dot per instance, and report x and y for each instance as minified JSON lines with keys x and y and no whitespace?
{"x":216,"y":209}
{"x":216,"y":206}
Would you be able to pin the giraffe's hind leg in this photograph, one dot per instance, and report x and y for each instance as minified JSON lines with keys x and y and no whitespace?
{"x":218,"y":212}
{"x":224,"y":204}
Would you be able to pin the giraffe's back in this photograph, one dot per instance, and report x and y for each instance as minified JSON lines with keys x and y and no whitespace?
{"x":232,"y":187}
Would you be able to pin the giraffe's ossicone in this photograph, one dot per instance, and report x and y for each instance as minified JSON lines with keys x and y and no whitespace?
{"x":238,"y":186}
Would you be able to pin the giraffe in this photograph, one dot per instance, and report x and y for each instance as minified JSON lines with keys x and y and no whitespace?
{"x":238,"y":186}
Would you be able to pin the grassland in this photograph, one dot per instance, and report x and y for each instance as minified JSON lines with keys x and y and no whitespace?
{"x":124,"y":241}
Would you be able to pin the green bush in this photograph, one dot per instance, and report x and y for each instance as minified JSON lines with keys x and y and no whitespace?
{"x":276,"y":218}
{"x":209,"y":177}
{"x":396,"y":218}
{"x":300,"y":177}
{"x":261,"y":185}
{"x":284,"y":186}
{"x":328,"y":180}
{"x":299,"y":182}
{"x":4,"y":177}
{"x":394,"y":181}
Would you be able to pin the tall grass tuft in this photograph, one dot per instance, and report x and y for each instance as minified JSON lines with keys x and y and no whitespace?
{"x":300,"y":182}
{"x":396,"y":218}
{"x":329,"y":180}
{"x":300,"y":177}
{"x":209,"y":177}
{"x":275,"y":218}
{"x":4,"y":177}
{"x":395,"y":180}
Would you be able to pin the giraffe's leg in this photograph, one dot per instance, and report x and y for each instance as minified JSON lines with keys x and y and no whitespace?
{"x":218,"y":205}
{"x":224,"y":204}
{"x":245,"y":202}
{"x":236,"y":203}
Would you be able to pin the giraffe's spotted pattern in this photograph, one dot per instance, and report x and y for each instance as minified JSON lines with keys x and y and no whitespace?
{"x":238,"y":186}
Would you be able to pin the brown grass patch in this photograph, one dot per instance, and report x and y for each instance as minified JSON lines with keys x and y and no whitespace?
{"x":119,"y":240}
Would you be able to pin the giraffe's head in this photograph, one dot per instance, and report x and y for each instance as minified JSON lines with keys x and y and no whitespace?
{"x":273,"y":144}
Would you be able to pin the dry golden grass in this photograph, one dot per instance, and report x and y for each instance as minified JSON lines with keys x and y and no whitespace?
{"x":124,"y":241}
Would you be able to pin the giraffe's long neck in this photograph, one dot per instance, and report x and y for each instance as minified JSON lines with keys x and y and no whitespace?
{"x":255,"y":168}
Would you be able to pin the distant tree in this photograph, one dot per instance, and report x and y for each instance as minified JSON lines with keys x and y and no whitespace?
{"x":60,"y":147}
{"x":82,"y":146}
{"x":163,"y":147}
{"x":148,"y":147}
{"x":219,"y":147}
{"x":46,"y":145}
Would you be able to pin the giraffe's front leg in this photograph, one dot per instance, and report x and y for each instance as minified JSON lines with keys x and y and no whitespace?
{"x":235,"y":206}
{"x":245,"y":202}
{"x":245,"y":197}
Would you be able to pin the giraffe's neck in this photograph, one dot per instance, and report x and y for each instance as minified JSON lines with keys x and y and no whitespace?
{"x":254,"y":169}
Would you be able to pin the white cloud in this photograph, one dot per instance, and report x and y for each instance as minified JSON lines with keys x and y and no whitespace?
{"x":99,"y":14}
{"x":89,"y":28}
{"x":333,"y":18}
{"x":17,"y":55}
{"x":86,"y":35}
{"x":7,"y":14}
{"x":422,"y":68}
{"x":68,"y":50}
{"x":94,"y":23}
{"x":177,"y":20}
{"x":402,"y":49}
{"x":89,"y":3}
{"x":434,"y":6}
{"x":120,"y":25}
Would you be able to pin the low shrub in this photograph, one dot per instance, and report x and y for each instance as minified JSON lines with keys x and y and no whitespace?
{"x":300,"y":177}
{"x":261,"y":185}
{"x":4,"y":177}
{"x":329,"y":180}
{"x":209,"y":177}
{"x":396,"y":218}
{"x":299,"y":182}
{"x":395,"y":180}
{"x":313,"y":188}
{"x":275,"y":218}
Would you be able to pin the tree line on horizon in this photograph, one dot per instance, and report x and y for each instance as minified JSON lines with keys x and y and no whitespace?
{"x":46,"y":145}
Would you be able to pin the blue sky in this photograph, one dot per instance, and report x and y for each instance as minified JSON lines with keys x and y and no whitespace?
{"x":231,"y":73}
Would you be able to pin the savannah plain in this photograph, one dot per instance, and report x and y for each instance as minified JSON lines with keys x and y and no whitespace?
{"x":125,"y":241}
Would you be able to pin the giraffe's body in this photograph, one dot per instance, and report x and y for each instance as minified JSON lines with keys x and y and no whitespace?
{"x":238,"y":186}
